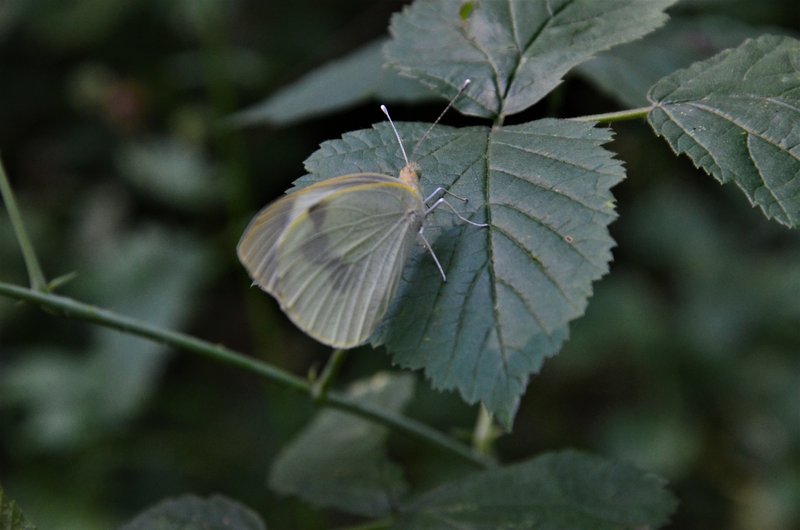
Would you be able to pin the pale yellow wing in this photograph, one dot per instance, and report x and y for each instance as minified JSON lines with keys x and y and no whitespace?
{"x":332,"y":254}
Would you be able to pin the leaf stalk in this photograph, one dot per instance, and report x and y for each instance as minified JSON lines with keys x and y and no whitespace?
{"x":622,"y":115}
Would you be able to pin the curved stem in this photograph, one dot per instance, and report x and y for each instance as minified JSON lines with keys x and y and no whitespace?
{"x":71,"y":308}
{"x":622,"y":115}
{"x":35,"y":274}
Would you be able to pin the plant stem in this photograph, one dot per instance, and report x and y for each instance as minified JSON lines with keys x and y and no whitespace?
{"x":35,"y":274}
{"x":622,"y":115}
{"x":320,"y":387}
{"x":71,"y":308}
{"x":484,"y":434}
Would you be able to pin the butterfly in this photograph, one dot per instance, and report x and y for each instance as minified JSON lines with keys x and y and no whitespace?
{"x":332,"y":253}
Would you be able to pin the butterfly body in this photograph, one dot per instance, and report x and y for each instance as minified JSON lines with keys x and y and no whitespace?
{"x":332,"y":253}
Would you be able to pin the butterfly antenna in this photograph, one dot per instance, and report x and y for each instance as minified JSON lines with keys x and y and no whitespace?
{"x":461,"y":90}
{"x":397,"y":134}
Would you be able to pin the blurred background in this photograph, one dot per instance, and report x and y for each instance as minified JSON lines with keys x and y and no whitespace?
{"x":115,"y":131}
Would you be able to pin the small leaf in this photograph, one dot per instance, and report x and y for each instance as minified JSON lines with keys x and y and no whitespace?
{"x":737,"y":116}
{"x":557,"y":491}
{"x":627,"y":72}
{"x":511,"y":288}
{"x":339,"y":460}
{"x":190,"y":512}
{"x":356,"y":78}
{"x":171,"y":170}
{"x":514,"y":51}
{"x":11,"y":517}
{"x":466,"y":9}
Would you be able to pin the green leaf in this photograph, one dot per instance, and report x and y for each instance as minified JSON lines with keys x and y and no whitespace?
{"x":171,"y":170}
{"x":190,"y":512}
{"x":356,"y":78}
{"x":339,"y":460}
{"x":737,"y":116}
{"x":627,"y":72}
{"x":514,"y":51}
{"x":566,"y":490}
{"x":69,"y":399}
{"x":511,"y":288}
{"x":11,"y":517}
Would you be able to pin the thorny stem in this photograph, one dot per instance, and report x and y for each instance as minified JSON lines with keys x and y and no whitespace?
{"x":71,"y":308}
{"x":35,"y":275}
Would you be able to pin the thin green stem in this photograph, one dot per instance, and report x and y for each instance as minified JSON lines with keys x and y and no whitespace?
{"x":35,"y":275}
{"x":320,"y":387}
{"x":485,"y":432}
{"x":622,"y":115}
{"x":71,"y":308}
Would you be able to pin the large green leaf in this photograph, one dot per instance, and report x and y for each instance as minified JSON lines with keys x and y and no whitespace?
{"x":737,"y":116}
{"x":348,"y":81}
{"x":514,"y":51}
{"x":11,"y":517}
{"x":339,"y":460}
{"x":511,"y":288}
{"x":559,"y":491}
{"x":190,"y":512}
{"x":627,"y":72}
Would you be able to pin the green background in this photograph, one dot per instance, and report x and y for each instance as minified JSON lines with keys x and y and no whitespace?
{"x":687,"y":362}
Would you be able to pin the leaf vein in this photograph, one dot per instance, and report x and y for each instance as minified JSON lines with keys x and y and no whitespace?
{"x":555,"y":158}
{"x":544,"y":188}
{"x":536,"y":261}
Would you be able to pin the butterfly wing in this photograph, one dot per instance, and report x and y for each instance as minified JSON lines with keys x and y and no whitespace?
{"x":332,"y":253}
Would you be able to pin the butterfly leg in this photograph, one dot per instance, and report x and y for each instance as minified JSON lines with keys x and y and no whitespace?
{"x":439,"y":190}
{"x":441,"y":201}
{"x":433,"y":255}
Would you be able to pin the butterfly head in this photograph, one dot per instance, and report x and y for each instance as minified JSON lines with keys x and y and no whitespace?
{"x":410,"y":174}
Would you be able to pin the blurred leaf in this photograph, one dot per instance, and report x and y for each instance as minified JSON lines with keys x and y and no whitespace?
{"x":511,"y":288}
{"x":75,"y":23}
{"x":11,"y":517}
{"x":69,"y":400}
{"x":152,"y":275}
{"x":241,"y":67}
{"x":55,"y":391}
{"x":514,"y":51}
{"x":755,"y":11}
{"x":356,"y":78}
{"x":627,"y":72}
{"x":339,"y":460}
{"x":567,"y":490}
{"x":189,"y":512}
{"x":737,"y":116}
{"x":171,"y":170}
{"x":198,"y":18}
{"x":658,"y":440}
{"x":10,"y":11}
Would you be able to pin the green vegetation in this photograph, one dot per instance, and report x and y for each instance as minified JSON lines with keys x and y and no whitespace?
{"x":136,"y":144}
